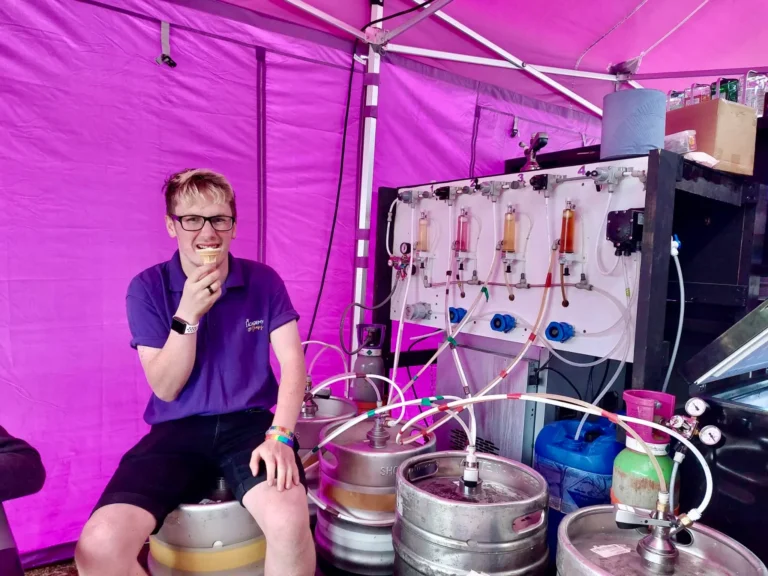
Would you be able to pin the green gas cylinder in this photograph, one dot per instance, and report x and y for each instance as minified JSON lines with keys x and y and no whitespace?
{"x":635,"y":481}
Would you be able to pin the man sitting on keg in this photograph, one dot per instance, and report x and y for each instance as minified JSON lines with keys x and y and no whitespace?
{"x":203,"y":334}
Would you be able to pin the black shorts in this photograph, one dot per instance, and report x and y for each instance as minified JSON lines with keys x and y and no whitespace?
{"x":178,"y":462}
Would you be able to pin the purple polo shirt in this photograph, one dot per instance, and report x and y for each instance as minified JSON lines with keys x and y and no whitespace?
{"x":232,"y":370}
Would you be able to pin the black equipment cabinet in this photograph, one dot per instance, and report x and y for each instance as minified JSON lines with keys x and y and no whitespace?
{"x":730,"y":375}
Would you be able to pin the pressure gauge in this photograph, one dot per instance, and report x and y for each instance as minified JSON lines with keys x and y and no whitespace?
{"x":405,"y":248}
{"x":710,"y":435}
{"x":676,"y":422}
{"x":696,"y":407}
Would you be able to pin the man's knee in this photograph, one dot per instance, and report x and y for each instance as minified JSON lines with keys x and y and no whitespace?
{"x":282,"y":516}
{"x":114,"y":535}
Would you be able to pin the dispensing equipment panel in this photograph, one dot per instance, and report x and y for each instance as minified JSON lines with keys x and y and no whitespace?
{"x":574,"y":228}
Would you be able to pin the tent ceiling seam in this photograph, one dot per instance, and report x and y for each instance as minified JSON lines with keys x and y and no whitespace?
{"x":604,"y":36}
{"x":679,"y":25}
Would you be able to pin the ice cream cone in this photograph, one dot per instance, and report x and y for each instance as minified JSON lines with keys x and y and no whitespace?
{"x":209,"y":255}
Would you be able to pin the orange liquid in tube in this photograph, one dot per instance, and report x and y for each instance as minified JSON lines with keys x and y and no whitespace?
{"x":568,"y":229}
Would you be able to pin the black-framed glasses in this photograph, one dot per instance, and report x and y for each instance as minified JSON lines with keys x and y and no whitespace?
{"x":193,"y":223}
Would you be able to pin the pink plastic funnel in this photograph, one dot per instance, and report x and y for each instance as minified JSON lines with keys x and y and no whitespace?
{"x":651,"y":406}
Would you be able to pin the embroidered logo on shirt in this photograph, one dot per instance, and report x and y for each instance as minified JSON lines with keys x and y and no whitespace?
{"x":253,"y":325}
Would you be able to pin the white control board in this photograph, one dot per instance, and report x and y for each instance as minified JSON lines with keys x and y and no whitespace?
{"x":595,"y":314}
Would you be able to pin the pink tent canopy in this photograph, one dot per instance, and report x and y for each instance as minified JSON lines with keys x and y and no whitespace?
{"x":671,"y":37}
{"x":91,"y":124}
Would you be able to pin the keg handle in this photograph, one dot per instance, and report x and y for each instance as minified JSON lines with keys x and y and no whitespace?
{"x":528,"y":522}
{"x":627,"y":518}
{"x":329,"y":457}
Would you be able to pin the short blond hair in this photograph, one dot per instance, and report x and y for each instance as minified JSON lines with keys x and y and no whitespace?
{"x":195,"y":183}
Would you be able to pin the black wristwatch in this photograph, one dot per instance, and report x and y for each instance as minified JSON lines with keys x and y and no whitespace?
{"x":180,"y":326}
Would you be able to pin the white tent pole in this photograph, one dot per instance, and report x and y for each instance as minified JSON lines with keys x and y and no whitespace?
{"x":329,"y":19}
{"x":425,"y":13}
{"x":493,"y":62}
{"x":366,"y":176}
{"x":517,"y":62}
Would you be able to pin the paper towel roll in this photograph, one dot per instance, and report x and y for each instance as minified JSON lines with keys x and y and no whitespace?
{"x":633,"y":123}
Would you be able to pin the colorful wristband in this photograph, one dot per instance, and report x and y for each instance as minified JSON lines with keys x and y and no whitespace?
{"x":280,"y":430}
{"x":280,"y":438}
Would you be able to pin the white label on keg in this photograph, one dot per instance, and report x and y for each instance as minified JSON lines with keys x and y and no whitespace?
{"x":473,"y":573}
{"x":610,"y":550}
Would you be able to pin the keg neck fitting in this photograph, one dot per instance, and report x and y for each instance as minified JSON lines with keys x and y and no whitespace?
{"x":378,"y":435}
{"x":309,"y":407}
{"x":470,"y":480}
{"x":657,"y":550}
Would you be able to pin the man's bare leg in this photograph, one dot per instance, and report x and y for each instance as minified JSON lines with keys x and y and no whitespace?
{"x":284,"y":519}
{"x":111,"y":541}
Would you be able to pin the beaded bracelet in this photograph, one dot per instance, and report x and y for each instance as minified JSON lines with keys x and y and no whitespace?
{"x":280,"y":430}
{"x":280,"y":438}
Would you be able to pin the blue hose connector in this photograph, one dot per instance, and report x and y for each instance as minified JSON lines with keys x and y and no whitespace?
{"x":456,"y":315}
{"x":503,"y":323}
{"x":559,"y":332}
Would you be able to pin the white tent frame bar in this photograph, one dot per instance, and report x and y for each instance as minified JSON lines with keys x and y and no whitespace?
{"x":533,"y":71}
{"x":366,"y":179}
{"x":518,"y":64}
{"x":333,"y":21}
{"x":426,"y":13}
{"x":496,"y":63}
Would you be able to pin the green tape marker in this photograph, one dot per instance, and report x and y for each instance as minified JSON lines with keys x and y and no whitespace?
{"x":484,"y":290}
{"x":371,"y":413}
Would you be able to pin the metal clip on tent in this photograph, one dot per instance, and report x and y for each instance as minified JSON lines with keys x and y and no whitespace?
{"x":165,"y":40}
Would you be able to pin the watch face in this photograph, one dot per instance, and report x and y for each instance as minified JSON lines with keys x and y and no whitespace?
{"x":178,"y":326}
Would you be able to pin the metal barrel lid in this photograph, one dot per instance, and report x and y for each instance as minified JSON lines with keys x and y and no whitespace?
{"x":356,"y":440}
{"x":590,"y":543}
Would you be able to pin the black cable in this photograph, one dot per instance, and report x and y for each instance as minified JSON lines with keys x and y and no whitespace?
{"x":589,"y":390}
{"x":338,"y":194}
{"x":401,"y":13}
{"x":364,"y":307}
{"x":413,"y":388}
{"x":564,"y":377}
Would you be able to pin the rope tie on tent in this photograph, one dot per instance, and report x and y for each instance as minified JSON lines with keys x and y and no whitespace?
{"x":165,"y":41}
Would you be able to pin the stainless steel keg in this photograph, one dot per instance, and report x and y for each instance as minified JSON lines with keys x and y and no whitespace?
{"x":316,"y":415}
{"x":443,"y":527}
{"x":357,"y":477}
{"x":220,"y":538}
{"x":589,"y":543}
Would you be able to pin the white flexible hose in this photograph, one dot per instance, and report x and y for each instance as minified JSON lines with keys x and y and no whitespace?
{"x":350,"y":423}
{"x":627,"y":332}
{"x":325,"y":346}
{"x":389,"y":226}
{"x":403,"y":305}
{"x":679,"y":323}
{"x":469,"y":430}
{"x":341,"y":377}
{"x":517,"y":359}
{"x":603,"y":225}
{"x":627,"y":310}
{"x":552,"y":399}
{"x":694,"y":514}
{"x":672,"y":482}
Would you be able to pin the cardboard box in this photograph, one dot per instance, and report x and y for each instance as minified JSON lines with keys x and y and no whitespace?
{"x":724,"y":130}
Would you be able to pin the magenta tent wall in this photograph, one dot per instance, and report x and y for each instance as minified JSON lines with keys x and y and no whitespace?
{"x":91,"y":125}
